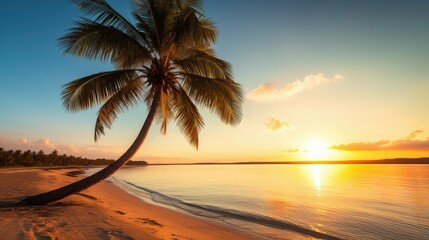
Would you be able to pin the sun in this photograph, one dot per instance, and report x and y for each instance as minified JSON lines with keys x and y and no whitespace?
{"x":316,"y":149}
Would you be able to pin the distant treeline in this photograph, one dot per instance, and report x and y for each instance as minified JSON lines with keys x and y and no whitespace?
{"x":422,"y":160}
{"x":11,"y":158}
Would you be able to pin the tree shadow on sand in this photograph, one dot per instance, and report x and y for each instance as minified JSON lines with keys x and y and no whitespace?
{"x":42,"y":211}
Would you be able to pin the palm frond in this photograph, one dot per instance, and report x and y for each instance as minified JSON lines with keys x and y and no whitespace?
{"x":222,"y":96}
{"x":145,"y":28}
{"x":97,"y":41}
{"x":165,"y":114}
{"x":189,"y":28}
{"x":128,"y":96}
{"x":196,"y":5}
{"x":106,"y":15}
{"x":153,"y":17}
{"x":89,"y":91}
{"x":205,"y":63}
{"x":187,"y":117}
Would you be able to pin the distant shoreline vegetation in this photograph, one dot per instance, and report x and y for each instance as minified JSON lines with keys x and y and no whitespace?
{"x":423,"y":160}
{"x":19,"y":158}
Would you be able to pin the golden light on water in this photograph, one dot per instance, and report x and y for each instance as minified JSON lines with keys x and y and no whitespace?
{"x":322,"y":176}
{"x":316,"y":172}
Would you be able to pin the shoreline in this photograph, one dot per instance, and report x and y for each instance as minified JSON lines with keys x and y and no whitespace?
{"x":103,"y":211}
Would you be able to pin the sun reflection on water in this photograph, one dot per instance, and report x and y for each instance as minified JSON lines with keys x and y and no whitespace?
{"x":317,"y":178}
{"x":322,"y":176}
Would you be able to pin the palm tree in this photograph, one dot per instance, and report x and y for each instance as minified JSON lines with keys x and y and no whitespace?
{"x":165,"y":60}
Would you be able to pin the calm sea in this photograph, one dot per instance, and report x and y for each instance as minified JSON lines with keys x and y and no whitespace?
{"x":315,"y":201}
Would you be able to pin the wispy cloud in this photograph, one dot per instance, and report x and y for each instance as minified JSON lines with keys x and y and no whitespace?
{"x":275,"y":124}
{"x":293,"y":150}
{"x":413,"y":134}
{"x":269,"y":92}
{"x":407,"y":143}
{"x":90,"y":151}
{"x":361,"y":146}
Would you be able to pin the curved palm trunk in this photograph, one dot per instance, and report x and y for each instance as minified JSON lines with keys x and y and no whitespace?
{"x":87,"y":182}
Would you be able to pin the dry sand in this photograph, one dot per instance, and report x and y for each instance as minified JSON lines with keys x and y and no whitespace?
{"x":101,"y":212}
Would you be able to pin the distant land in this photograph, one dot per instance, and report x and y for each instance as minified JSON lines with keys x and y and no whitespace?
{"x":28,"y":158}
{"x":424,"y":160}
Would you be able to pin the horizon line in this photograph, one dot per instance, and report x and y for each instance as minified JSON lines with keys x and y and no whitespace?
{"x":419,"y":160}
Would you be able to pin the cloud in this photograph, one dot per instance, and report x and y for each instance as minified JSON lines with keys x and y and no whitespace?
{"x":416,"y":145}
{"x":269,"y":92}
{"x":338,"y":77}
{"x":293,"y":150}
{"x":413,"y":134}
{"x":43,"y":143}
{"x":361,"y":146}
{"x":23,"y":141}
{"x":408,"y":143}
{"x":89,"y":151}
{"x":276,"y":124}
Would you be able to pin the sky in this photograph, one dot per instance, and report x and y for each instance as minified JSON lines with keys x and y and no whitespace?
{"x":323,"y":80}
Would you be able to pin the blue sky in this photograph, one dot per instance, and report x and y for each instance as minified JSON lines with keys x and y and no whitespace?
{"x":379,"y":48}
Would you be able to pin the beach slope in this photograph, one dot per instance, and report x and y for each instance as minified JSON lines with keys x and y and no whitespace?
{"x":101,"y":212}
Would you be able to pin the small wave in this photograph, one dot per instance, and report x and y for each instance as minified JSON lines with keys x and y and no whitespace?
{"x":221,"y":213}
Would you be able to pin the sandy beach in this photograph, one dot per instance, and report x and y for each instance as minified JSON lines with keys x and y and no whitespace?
{"x":101,"y":212}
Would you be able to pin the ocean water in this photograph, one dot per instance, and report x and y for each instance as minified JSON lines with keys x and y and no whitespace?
{"x":314,"y":201}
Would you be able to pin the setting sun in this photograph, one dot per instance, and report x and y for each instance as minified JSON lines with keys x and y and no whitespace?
{"x":316,"y":149}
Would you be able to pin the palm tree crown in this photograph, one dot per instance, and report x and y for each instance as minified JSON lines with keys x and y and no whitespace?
{"x":165,"y":60}
{"x":168,"y":51}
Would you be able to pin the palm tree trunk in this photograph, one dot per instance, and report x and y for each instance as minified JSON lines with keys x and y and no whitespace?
{"x":87,"y":182}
